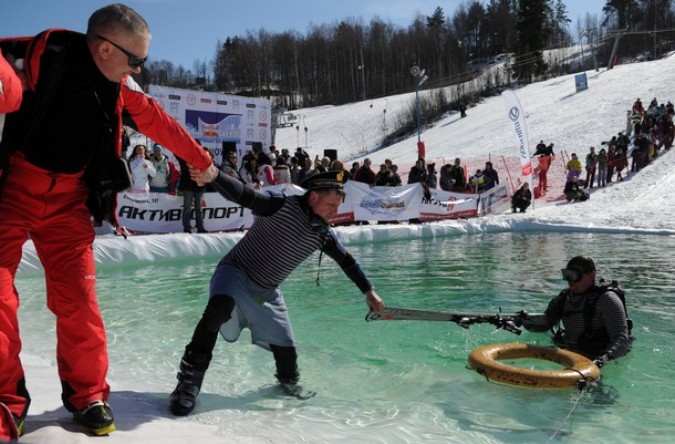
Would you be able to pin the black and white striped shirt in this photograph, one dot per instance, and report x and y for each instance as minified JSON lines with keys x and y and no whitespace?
{"x":260,"y":253}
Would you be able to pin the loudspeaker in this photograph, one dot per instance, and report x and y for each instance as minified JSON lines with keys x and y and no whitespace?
{"x":331,"y":154}
{"x":228,"y":147}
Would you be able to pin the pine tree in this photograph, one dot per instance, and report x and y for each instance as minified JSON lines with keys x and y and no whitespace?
{"x":532,"y":36}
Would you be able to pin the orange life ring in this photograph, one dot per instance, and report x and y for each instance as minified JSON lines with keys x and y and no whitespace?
{"x":485,"y":360}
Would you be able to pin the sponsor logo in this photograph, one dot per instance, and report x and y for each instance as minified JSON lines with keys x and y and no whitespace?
{"x":250,"y":105}
{"x":191,"y":99}
{"x":221,"y":102}
{"x":205,"y":100}
{"x":174,"y":97}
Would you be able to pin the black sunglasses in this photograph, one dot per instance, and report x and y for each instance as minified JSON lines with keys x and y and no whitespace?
{"x":133,"y":60}
{"x":572,"y":275}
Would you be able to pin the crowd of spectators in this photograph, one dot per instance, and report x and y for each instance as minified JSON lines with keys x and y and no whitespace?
{"x":650,"y":133}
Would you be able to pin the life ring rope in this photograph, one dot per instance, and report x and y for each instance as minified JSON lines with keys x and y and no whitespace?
{"x":577,"y":369}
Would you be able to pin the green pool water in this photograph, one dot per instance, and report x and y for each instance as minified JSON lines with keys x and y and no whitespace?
{"x":393,"y":381}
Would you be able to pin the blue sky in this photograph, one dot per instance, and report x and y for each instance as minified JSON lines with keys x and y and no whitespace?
{"x":188,"y":30}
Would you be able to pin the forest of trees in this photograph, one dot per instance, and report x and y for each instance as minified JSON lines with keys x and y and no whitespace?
{"x":350,"y":60}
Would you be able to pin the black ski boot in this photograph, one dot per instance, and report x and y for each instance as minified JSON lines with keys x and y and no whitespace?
{"x":98,"y":417}
{"x":193,"y":366}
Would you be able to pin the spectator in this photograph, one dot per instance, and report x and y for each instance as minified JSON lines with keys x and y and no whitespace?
{"x":286,"y":155}
{"x":301,"y":155}
{"x":602,"y":168}
{"x":546,"y":156}
{"x":249,"y":172}
{"x":638,"y":109}
{"x":365,"y":174}
{"x":396,"y":178}
{"x":445,"y":180}
{"x":265,"y":170}
{"x":272,"y":155}
{"x":492,"y":177}
{"x":590,"y":166}
{"x":384,"y":178}
{"x":47,"y":190}
{"x":431,"y":178}
{"x":477,"y":182}
{"x":573,"y":168}
{"x":620,"y":162}
{"x":296,"y":171}
{"x":611,"y":151}
{"x":161,"y":181}
{"x":244,"y":290}
{"x":337,"y":165}
{"x":458,"y":176}
{"x":573,"y":192}
{"x":539,"y":149}
{"x":282,"y":174}
{"x":522,"y":198}
{"x":355,"y":168}
{"x":325,"y":163}
{"x":599,"y":331}
{"x":192,"y":199}
{"x":230,"y":166}
{"x":142,"y":169}
{"x":319,"y":166}
{"x":308,"y":169}
{"x":418,"y":172}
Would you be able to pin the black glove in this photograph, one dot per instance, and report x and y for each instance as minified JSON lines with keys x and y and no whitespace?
{"x":534,"y":322}
{"x":600,"y":361}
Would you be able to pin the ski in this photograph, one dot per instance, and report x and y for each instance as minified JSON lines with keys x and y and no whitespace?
{"x":507,"y":322}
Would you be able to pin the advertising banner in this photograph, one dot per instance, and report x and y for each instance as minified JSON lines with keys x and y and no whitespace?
{"x":218,"y":120}
{"x":517,"y":118}
{"x":163,"y":213}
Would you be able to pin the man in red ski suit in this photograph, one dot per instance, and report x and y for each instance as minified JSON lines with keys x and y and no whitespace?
{"x":59,"y":149}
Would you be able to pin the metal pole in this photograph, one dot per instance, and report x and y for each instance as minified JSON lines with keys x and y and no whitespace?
{"x":417,"y":106}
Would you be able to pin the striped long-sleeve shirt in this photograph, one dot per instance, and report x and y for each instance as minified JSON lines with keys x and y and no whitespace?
{"x":609,"y":317}
{"x":260,"y":254}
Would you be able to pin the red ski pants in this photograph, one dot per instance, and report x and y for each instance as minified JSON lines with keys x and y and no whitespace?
{"x":50,"y":208}
{"x":544,"y":165}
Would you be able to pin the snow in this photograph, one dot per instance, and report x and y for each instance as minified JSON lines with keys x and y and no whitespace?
{"x":644,"y":202}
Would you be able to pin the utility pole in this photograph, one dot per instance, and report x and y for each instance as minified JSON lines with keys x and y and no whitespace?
{"x":420,"y":78}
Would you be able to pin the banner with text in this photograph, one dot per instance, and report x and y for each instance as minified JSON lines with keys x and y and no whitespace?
{"x":163,"y":213}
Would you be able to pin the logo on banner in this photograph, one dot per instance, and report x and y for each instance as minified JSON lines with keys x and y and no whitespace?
{"x":382,"y":206}
{"x":514,"y":113}
{"x":191,"y":99}
{"x":174,"y":97}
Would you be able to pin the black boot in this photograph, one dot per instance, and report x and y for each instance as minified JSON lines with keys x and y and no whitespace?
{"x":193,"y":366}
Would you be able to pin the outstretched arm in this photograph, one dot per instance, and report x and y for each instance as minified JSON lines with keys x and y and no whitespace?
{"x":535,"y":322}
{"x":262,"y":204}
{"x":354,"y":271}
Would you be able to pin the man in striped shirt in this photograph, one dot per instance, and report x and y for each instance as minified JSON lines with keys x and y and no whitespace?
{"x":244,"y":290}
{"x":594,"y":317}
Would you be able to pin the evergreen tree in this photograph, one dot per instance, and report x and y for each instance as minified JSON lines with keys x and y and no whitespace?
{"x":532,"y":35}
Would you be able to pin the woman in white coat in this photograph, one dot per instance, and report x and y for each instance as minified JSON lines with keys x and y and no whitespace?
{"x":142,"y":169}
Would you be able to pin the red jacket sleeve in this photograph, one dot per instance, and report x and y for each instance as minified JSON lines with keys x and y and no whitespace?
{"x":11,"y":89}
{"x":160,"y":127}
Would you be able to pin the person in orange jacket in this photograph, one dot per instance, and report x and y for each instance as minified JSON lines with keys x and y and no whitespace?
{"x":63,"y":148}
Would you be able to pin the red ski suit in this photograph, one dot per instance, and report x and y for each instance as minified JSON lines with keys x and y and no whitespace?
{"x":44,"y":198}
{"x":544,"y":165}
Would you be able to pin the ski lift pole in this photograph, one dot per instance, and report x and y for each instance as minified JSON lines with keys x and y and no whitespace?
{"x":420,"y":78}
